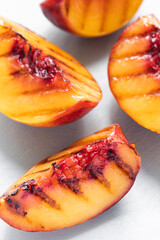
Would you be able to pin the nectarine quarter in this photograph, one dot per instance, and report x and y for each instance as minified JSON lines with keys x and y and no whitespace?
{"x":40,"y":84}
{"x":134,"y":67}
{"x":74,"y":185}
{"x":90,"y":18}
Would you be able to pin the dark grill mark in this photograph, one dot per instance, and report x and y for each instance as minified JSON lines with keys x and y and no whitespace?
{"x":15,"y":192}
{"x":60,"y":54}
{"x":98,"y":174}
{"x":47,"y":89}
{"x":9,"y":201}
{"x":16,"y":74}
{"x":32,"y":188}
{"x":67,"y":76}
{"x":40,"y":171}
{"x":49,"y":159}
{"x":67,"y":7}
{"x":103,"y":20}
{"x":154,"y":93}
{"x":65,"y":64}
{"x":88,"y":164}
{"x":85,"y":13}
{"x":68,"y":66}
{"x":112,"y":156}
{"x":14,"y":206}
{"x":21,"y":37}
{"x":55,"y":165}
{"x":72,"y":184}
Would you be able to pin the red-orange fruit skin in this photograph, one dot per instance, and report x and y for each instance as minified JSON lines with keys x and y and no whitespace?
{"x":53,"y":13}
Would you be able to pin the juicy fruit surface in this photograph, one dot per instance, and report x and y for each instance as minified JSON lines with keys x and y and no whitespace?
{"x":134,"y":67}
{"x":90,"y":18}
{"x":40,"y":84}
{"x":74,"y":185}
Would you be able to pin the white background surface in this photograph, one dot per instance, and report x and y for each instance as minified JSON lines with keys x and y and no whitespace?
{"x":137,"y":215}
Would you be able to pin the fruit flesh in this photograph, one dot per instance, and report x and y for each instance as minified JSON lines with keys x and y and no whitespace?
{"x":91,"y":18}
{"x":74,"y":185}
{"x":40,"y":84}
{"x":134,"y":72}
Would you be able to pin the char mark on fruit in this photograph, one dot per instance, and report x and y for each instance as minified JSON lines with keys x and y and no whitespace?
{"x":104,"y":15}
{"x":16,"y":74}
{"x":69,"y":68}
{"x":67,"y":7}
{"x":15,"y":206}
{"x":85,"y":165}
{"x":14,"y":193}
{"x":32,"y":188}
{"x":33,"y":61}
{"x":72,"y":184}
{"x":85,"y":13}
{"x":112,"y":156}
{"x":96,"y":173}
{"x":40,"y":171}
{"x":60,"y":54}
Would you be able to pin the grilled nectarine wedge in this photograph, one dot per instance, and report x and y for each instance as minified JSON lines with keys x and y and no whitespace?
{"x":90,"y":18}
{"x":74,"y":185}
{"x":40,"y":84}
{"x":134,"y":72}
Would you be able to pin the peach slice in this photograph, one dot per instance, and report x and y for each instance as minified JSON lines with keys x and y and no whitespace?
{"x":134,"y":72}
{"x":90,"y":18}
{"x":40,"y":84}
{"x":74,"y":185}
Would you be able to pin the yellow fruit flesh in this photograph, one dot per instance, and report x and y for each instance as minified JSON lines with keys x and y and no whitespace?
{"x":144,"y":110}
{"x":131,"y":47}
{"x":128,"y":66}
